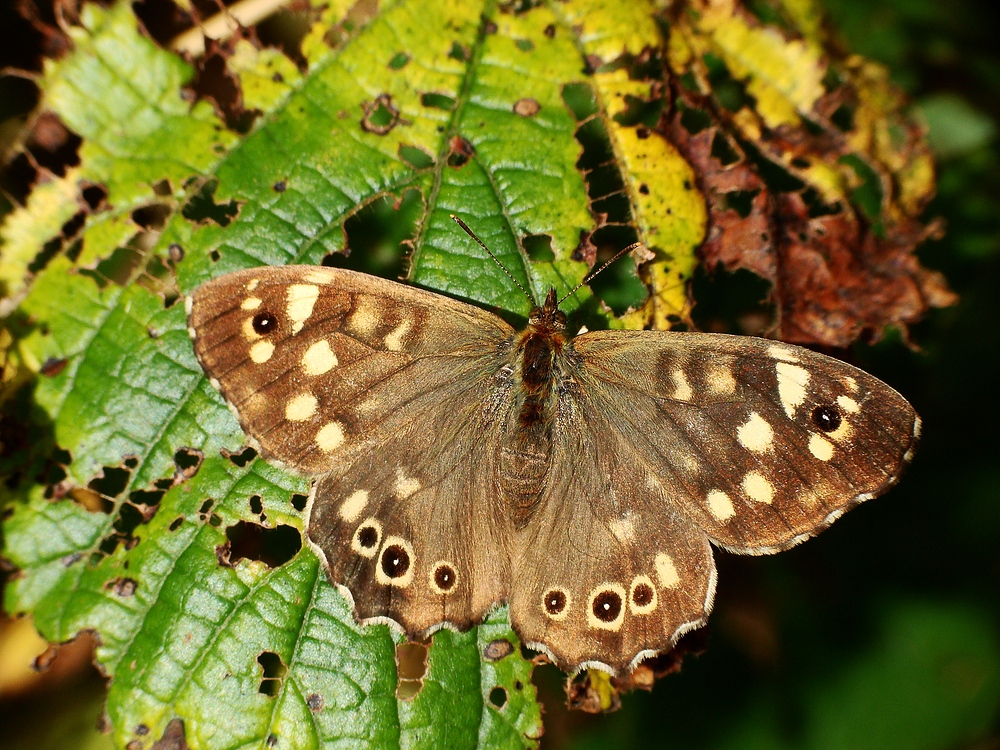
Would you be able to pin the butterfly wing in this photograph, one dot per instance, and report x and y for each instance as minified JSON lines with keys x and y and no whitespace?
{"x":663,"y":442}
{"x":390,"y":395}
{"x":759,"y":443}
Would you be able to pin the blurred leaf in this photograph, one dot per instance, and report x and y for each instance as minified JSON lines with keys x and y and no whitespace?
{"x":954,"y":126}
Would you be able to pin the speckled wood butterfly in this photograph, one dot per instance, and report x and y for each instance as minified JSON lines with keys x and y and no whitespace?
{"x":459,"y":463}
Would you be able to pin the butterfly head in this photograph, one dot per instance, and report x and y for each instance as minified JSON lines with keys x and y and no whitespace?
{"x":548,"y":317}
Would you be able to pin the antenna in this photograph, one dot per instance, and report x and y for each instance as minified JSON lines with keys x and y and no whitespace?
{"x":495,"y":259}
{"x":590,"y":276}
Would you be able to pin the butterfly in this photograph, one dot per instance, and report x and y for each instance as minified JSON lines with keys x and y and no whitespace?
{"x":459,"y":463}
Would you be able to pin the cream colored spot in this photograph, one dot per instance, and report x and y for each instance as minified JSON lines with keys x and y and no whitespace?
{"x":666,"y":571}
{"x":261,"y":351}
{"x":720,"y":380}
{"x":251,"y":303}
{"x":365,"y":316}
{"x":614,"y":589}
{"x":783,"y":353}
{"x":623,"y":528}
{"x":850,"y":384}
{"x":720,"y":505}
{"x":848,"y":404}
{"x":330,"y":436}
{"x":301,"y":408}
{"x":792,"y":383}
{"x":301,"y":299}
{"x":367,"y":550}
{"x":319,"y":358}
{"x":843,"y":432}
{"x":435,"y":587}
{"x":642,"y":609}
{"x":318,"y":277}
{"x":682,"y":389}
{"x":403,"y":580}
{"x":405,"y":486}
{"x":757,"y":488}
{"x":248,"y":331}
{"x":564,"y":612}
{"x":252,"y":285}
{"x":353,"y":505}
{"x":394,"y":341}
{"x":755,"y":434}
{"x":820,"y":447}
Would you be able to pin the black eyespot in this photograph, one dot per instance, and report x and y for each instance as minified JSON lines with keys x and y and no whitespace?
{"x":264,"y":323}
{"x":395,"y":561}
{"x":555,"y":601}
{"x":444,"y":577}
{"x":642,"y":595}
{"x":367,"y":537}
{"x":607,"y":606}
{"x":826,"y":417}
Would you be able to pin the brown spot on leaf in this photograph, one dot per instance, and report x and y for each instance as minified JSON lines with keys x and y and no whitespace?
{"x":314,"y":701}
{"x":498,"y":649}
{"x":52,"y":367}
{"x":173,"y":737}
{"x":527,"y":107}
{"x":123,"y":587}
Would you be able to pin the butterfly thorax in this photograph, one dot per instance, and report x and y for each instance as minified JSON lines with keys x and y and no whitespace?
{"x":537,"y":348}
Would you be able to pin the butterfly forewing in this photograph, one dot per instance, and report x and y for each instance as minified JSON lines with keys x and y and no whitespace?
{"x":313,"y":359}
{"x":759,"y":443}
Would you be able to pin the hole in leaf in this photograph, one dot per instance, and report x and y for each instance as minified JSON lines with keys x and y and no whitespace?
{"x":411,"y":668}
{"x":730,"y":93}
{"x":380,"y":115}
{"x":741,"y":201}
{"x":273,"y":671}
{"x":94,"y":195}
{"x":525,"y":45}
{"x":498,"y":696}
{"x":538,"y":247}
{"x":731,"y":302}
{"x":458,"y":52}
{"x":111,"y":482}
{"x":378,"y":235}
{"x":437,"y":101}
{"x":152,"y":216}
{"x":843,"y":118}
{"x":459,"y":151}
{"x":723,"y":150}
{"x":256,"y":506}
{"x":203,"y":208}
{"x":399,"y":60}
{"x":415,"y":157}
{"x":251,"y":541}
{"x":242,"y":458}
{"x":187,"y":462}
{"x":817,"y":207}
{"x":694,"y":120}
{"x":176,"y":523}
{"x":299,"y":502}
{"x":206,"y":506}
{"x":52,"y":145}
